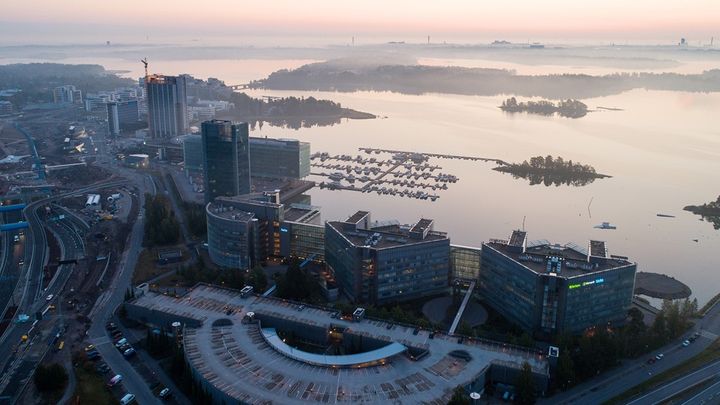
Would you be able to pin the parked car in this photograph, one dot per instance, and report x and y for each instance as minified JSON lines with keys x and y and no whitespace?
{"x":651,"y":360}
{"x":127,"y":399}
{"x":93,"y":356}
{"x":115,"y":380}
{"x":110,"y":325}
{"x":129,"y":352}
{"x":686,"y":343}
{"x":120,"y":342}
{"x":89,"y":348}
{"x":659,"y":356}
{"x":49,"y":297}
{"x":165,"y":393}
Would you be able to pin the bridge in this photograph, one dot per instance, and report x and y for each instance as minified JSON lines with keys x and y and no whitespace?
{"x":460,"y":311}
{"x":12,"y":227}
{"x":12,"y":207}
{"x":239,"y":86}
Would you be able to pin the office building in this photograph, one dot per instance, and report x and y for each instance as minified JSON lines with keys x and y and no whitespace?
{"x":270,"y":211}
{"x":302,"y":234}
{"x":548,"y":289}
{"x":231,"y":235}
{"x":167,"y":106}
{"x":226,"y":159}
{"x":192,"y":154}
{"x":67,"y":94}
{"x":279,"y":158}
{"x":122,"y":115}
{"x":465,"y":263}
{"x":378,"y":263}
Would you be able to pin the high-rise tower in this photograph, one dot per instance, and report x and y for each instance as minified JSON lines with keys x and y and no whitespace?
{"x":226,"y":159}
{"x":167,"y":106}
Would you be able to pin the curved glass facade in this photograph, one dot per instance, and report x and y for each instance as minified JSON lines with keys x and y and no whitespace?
{"x":230,"y":236}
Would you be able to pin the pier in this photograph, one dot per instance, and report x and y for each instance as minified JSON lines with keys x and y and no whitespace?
{"x":435,"y":155}
{"x":405,"y":174}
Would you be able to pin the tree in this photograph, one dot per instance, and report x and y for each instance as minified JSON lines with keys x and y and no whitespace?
{"x":50,"y":378}
{"x":259,"y":279}
{"x":525,"y":386}
{"x":565,"y":373}
{"x":459,"y":397}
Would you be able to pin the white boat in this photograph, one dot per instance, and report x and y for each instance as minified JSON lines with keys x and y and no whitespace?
{"x":605,"y":225}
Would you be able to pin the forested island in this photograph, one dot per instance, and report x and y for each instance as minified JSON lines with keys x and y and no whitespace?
{"x":552,"y":171}
{"x":348,"y":76}
{"x":37,"y":80}
{"x":288,"y":112}
{"x":565,"y":108}
{"x":708,"y":212}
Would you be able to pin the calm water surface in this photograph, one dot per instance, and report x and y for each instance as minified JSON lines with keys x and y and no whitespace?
{"x":663,"y":151}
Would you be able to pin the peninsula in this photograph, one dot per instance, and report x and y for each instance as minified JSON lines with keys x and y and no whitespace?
{"x":352,"y":75}
{"x":708,"y":212}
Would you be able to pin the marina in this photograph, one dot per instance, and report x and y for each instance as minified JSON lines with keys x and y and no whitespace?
{"x":404,"y":174}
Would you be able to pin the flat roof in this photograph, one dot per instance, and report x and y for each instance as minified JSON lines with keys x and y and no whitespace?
{"x":228,"y":212}
{"x":236,"y":358}
{"x":574,"y":262}
{"x":382,"y":237}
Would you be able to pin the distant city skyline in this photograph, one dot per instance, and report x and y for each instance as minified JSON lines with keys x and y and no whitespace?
{"x":38,"y":21}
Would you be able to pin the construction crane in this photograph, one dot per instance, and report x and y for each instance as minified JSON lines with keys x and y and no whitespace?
{"x":145,"y":63}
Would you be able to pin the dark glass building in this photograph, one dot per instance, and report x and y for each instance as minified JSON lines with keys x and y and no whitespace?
{"x":232,"y":235}
{"x":167,"y":106}
{"x":279,"y":158}
{"x":549,"y":289}
{"x":226,"y":159}
{"x":380,"y":263}
{"x":122,"y":115}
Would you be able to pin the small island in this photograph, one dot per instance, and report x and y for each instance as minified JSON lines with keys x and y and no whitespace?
{"x":568,"y":108}
{"x":708,"y":212}
{"x":552,"y":171}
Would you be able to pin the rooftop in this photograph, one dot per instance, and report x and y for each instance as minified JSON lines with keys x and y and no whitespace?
{"x":252,"y":365}
{"x":387,"y":235}
{"x":567,"y":260}
{"x":229,"y":212}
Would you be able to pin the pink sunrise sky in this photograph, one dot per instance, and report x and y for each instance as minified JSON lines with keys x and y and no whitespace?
{"x":648,"y":19}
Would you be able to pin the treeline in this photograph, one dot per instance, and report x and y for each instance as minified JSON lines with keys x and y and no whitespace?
{"x":709,"y":212}
{"x":287,"y":112}
{"x":184,"y":379}
{"x":419,"y":79}
{"x":36,"y":80}
{"x":200,"y":273}
{"x":298,"y":284}
{"x":161,"y":227}
{"x":565,"y":108}
{"x":602,"y":348}
{"x":552,"y":171}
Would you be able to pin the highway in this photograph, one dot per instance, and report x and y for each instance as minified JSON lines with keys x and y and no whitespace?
{"x":22,"y":362}
{"x":632,"y":373}
{"x":11,"y":254}
{"x":30,"y":287}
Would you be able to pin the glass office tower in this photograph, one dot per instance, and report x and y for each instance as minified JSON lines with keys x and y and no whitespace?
{"x":226,"y":159}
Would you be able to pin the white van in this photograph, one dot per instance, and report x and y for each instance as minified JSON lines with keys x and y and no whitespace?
{"x":127,"y":399}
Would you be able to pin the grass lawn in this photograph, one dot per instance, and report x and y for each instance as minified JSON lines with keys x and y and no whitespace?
{"x":91,"y":388}
{"x":710,"y":354}
{"x":147,"y":267}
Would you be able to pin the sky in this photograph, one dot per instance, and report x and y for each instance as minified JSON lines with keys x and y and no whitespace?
{"x":40,"y":21}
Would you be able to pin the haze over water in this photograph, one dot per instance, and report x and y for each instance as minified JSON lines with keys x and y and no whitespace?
{"x":663,"y":151}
